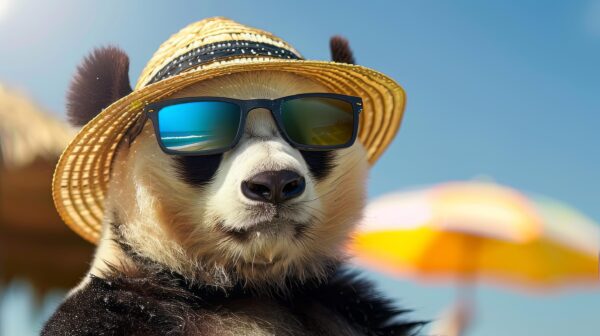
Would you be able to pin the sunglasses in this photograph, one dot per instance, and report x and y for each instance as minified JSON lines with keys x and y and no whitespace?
{"x":211,"y":125}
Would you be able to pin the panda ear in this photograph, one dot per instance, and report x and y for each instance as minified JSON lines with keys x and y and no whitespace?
{"x":101,"y":79}
{"x":340,"y":50}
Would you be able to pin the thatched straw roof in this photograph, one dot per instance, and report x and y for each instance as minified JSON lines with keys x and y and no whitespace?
{"x":34,"y":243}
{"x":26,"y":132}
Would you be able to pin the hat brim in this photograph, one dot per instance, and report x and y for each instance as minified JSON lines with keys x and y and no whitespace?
{"x":83,"y":171}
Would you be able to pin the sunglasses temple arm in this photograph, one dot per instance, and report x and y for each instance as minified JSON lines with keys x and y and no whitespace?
{"x":136,"y":128}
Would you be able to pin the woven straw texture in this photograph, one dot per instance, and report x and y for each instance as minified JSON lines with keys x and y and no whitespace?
{"x":28,"y":133}
{"x":83,"y":172}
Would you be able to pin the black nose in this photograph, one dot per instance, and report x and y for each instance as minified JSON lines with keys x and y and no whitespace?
{"x":274,"y":186}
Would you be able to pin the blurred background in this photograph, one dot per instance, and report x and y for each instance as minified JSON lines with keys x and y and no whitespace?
{"x":502,"y":91}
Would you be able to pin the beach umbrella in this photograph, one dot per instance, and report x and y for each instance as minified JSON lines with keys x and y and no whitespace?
{"x":479,"y":231}
{"x":476,"y":230}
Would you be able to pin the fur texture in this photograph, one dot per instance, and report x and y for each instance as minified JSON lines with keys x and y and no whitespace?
{"x":184,"y":251}
{"x":198,"y":170}
{"x":320,"y":163}
{"x":101,"y":79}
{"x":194,"y":230}
{"x":142,"y":301}
{"x":340,"y":50}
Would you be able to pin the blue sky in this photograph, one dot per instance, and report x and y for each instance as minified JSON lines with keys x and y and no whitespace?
{"x":509,"y":90}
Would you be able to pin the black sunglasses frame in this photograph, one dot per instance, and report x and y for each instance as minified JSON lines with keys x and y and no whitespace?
{"x":274,"y":105}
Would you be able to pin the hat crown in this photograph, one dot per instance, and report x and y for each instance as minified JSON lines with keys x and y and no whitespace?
{"x":203,"y":33}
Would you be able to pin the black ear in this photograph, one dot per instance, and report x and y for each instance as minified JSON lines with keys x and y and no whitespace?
{"x":101,"y":79}
{"x":340,"y":50}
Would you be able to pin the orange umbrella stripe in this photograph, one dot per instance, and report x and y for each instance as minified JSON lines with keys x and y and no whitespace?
{"x":427,"y":252}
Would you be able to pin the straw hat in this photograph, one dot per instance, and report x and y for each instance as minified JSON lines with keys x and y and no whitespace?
{"x":206,"y":49}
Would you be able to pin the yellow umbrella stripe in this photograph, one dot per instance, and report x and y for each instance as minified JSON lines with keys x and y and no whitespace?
{"x":426,"y":252}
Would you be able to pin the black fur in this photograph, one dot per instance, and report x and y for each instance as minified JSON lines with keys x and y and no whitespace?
{"x":340,"y":50}
{"x":133,"y":304}
{"x":320,"y":163}
{"x":143,"y":302}
{"x":200,"y":170}
{"x":150,"y":300}
{"x":101,"y":79}
{"x":358,"y":302}
{"x":197,"y":170}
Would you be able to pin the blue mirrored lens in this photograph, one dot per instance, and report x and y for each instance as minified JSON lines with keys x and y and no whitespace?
{"x":198,"y":126}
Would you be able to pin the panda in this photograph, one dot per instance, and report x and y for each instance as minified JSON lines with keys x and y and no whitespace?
{"x":189,"y":249}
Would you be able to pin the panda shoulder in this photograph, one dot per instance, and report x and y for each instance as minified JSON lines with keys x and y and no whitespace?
{"x":124,"y":304}
{"x":351,"y":295}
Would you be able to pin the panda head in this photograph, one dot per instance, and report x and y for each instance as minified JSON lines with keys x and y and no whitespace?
{"x":263,"y":211}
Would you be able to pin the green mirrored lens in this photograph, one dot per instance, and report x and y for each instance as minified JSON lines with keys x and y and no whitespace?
{"x":318,"y":121}
{"x":198,"y":126}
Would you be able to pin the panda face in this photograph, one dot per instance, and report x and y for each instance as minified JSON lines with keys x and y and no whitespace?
{"x":263,"y":211}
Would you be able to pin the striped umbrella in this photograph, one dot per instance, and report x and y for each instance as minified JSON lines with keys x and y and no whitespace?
{"x":475,"y":231}
{"x":479,"y":230}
